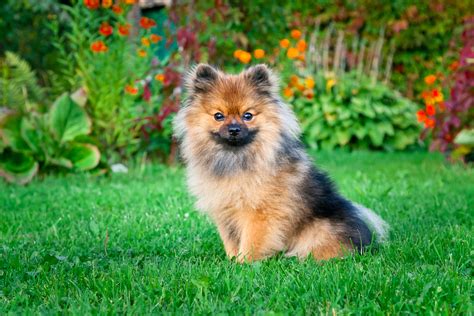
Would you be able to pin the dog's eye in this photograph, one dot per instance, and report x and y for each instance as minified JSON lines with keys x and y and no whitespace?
{"x":219,"y":116}
{"x":247,"y":116}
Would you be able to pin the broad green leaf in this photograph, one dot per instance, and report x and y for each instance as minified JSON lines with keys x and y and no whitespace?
{"x":376,"y":136}
{"x":343,"y":136}
{"x":465,"y":137}
{"x":30,"y":135}
{"x":10,"y":132}
{"x":401,"y":140}
{"x":17,"y":167}
{"x":68,"y":120}
{"x":83,"y":156}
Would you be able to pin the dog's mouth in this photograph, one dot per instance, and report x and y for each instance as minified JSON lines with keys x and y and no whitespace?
{"x":235,"y":141}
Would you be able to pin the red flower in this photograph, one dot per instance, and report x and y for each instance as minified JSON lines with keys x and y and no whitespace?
{"x":92,"y":4}
{"x":105,"y":29}
{"x":124,"y":30}
{"x":99,"y":47}
{"x":430,"y":123}
{"x":430,"y":109}
{"x":147,"y":23}
{"x":421,"y":116}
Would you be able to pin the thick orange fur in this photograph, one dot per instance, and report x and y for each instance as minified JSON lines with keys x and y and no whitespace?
{"x":253,"y":193}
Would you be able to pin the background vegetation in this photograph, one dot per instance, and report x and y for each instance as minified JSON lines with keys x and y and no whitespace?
{"x":357,"y":78}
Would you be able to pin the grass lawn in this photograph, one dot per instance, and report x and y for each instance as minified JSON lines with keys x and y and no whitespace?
{"x":134,"y":243}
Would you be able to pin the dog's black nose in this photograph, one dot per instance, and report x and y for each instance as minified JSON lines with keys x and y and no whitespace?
{"x":234,"y":129}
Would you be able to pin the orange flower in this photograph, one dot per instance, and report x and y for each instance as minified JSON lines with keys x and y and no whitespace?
{"x":296,"y":34}
{"x":147,"y":23}
{"x":124,"y":30}
{"x":117,"y":9}
{"x":430,"y":109}
{"x":99,"y":47}
{"x":309,"y":83}
{"x":430,"y":79}
{"x":106,"y":3}
{"x":92,"y":4}
{"x":145,"y":42}
{"x":454,"y":65}
{"x":141,"y":53}
{"x":294,"y":80}
{"x":131,"y":90}
{"x":308,"y":93}
{"x":259,"y":53}
{"x":287,"y":92}
{"x":300,"y":87}
{"x":160,"y":77}
{"x":155,"y":38}
{"x":292,"y":53}
{"x":130,"y":1}
{"x":442,"y":106}
{"x":245,"y":57}
{"x":421,"y":116}
{"x":301,"y":57}
{"x":429,"y":123}
{"x":237,"y":53}
{"x":284,"y":43}
{"x":105,"y":29}
{"x":301,"y":45}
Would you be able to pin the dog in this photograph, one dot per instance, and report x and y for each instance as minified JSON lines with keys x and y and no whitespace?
{"x":249,"y":171}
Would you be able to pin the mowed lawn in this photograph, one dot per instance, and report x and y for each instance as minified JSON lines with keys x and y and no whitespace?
{"x":133,"y":243}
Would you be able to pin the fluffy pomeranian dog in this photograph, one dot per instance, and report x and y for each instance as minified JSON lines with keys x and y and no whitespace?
{"x":248,"y":169}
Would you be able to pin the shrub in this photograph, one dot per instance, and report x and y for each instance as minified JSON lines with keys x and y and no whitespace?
{"x":451,"y":123}
{"x":350,"y":111}
{"x":31,"y":141}
{"x":116,"y":63}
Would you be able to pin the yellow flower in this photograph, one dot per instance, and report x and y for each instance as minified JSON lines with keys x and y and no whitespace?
{"x":259,"y":53}
{"x":106,"y":3}
{"x":141,"y":53}
{"x":160,"y":77}
{"x":430,"y":79}
{"x":130,"y":1}
{"x":330,"y":83}
{"x":292,"y":53}
{"x":287,"y":92}
{"x":309,"y":82}
{"x":296,"y":34}
{"x":284,"y":43}
{"x":145,"y":41}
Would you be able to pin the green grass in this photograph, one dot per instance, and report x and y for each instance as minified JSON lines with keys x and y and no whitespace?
{"x":163,"y":256}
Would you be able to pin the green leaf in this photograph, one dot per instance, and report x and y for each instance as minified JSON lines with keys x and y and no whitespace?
{"x":465,"y":137}
{"x":402,"y":140}
{"x":10,"y":132}
{"x":68,"y":120}
{"x":30,"y":135}
{"x":83,"y":156}
{"x":343,"y":136}
{"x":17,"y":167}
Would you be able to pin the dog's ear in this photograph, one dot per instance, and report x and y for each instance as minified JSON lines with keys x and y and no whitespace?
{"x":262,"y":79}
{"x":201,"y":78}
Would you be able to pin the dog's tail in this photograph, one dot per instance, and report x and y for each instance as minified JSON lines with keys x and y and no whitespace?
{"x":375,"y":222}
